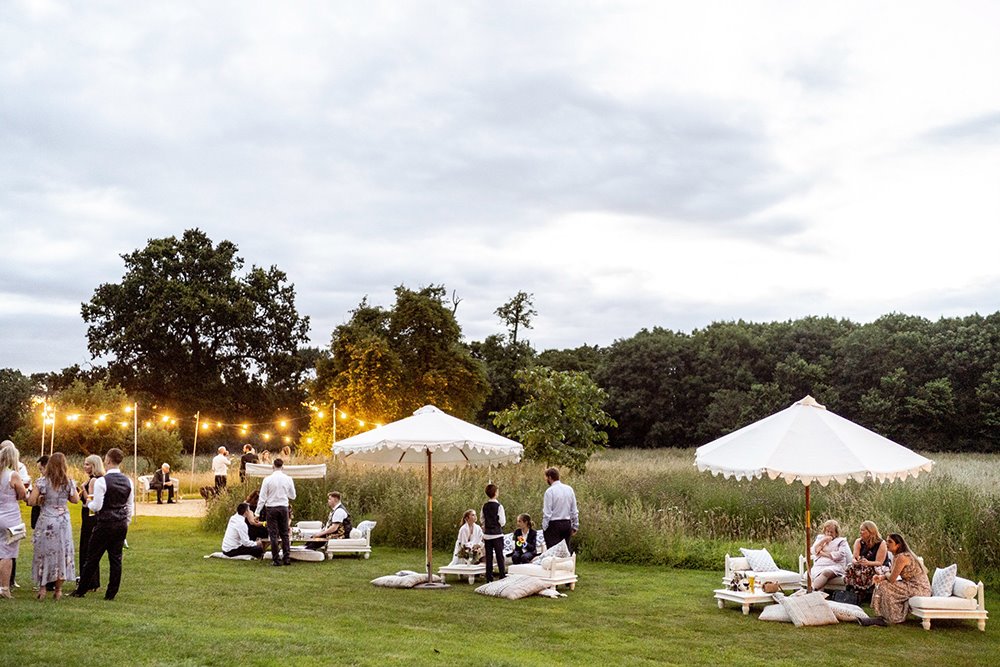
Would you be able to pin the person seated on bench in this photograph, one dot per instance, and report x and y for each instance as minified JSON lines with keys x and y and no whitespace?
{"x":236,"y":541}
{"x":338,"y":523}
{"x":470,"y":539}
{"x":525,"y":541}
{"x":256,"y":528}
{"x":831,"y":555}
{"x":161,"y":479}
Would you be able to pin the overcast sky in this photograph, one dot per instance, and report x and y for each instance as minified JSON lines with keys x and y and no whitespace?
{"x":631,"y":164}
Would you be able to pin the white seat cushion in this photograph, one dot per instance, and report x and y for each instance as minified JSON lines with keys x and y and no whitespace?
{"x":310,"y":525}
{"x":347,"y":544}
{"x":933,"y":602}
{"x":777,"y":576}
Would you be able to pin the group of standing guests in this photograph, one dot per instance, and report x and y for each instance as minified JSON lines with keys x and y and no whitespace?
{"x":560,"y":521}
{"x":108,"y":494}
{"x":883,"y":570}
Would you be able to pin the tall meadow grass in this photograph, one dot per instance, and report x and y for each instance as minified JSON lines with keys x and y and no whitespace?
{"x":654,"y":507}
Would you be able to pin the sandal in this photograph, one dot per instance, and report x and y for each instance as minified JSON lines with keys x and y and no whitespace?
{"x":5,"y":593}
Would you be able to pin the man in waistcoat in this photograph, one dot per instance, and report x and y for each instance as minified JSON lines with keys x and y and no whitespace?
{"x":114,"y":503}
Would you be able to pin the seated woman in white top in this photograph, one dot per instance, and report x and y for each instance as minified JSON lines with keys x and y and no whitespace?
{"x":831,"y":555}
{"x":470,"y":539}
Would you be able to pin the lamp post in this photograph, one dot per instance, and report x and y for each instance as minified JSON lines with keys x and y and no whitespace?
{"x":194,"y":447}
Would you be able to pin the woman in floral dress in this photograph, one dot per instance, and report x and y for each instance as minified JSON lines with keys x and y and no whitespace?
{"x":908,"y":578}
{"x":53,"y":535}
{"x":871,"y":557}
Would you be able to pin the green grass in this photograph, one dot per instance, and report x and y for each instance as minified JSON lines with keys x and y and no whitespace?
{"x":180,"y":609}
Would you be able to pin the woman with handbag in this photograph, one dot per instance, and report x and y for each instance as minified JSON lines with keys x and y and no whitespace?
{"x":52,"y":539}
{"x":12,"y":491}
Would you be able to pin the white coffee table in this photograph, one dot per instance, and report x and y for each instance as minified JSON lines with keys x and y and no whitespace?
{"x":743,"y":598}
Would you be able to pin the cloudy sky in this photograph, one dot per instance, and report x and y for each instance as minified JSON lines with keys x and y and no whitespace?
{"x":631,"y":164}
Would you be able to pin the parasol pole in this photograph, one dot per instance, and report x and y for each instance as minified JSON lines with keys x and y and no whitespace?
{"x":809,"y":583}
{"x":430,"y":513}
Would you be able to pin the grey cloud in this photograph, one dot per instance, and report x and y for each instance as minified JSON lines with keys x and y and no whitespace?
{"x":983,"y":128}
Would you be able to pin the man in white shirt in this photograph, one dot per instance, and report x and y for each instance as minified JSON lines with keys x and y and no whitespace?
{"x":338,"y":523}
{"x":236,"y":541}
{"x":560,"y":518}
{"x":220,"y":468}
{"x":114,"y":503}
{"x":275,"y":493}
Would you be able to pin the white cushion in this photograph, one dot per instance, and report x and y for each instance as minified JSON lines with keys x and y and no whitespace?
{"x":738,"y":563}
{"x":777,"y":576}
{"x":559,"y":564}
{"x":944,"y":581}
{"x":760,"y":560}
{"x":775,"y":612}
{"x":219,"y":554}
{"x":559,"y":550}
{"x":807,"y":610}
{"x":403,"y":579}
{"x":950,"y":602}
{"x":846,"y":612}
{"x":309,"y":525}
{"x":347,"y":544}
{"x":512,"y":587}
{"x":365,"y":528}
{"x":965,"y":588}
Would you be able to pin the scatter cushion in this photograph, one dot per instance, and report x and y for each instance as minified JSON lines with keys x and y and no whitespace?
{"x":965,"y":589}
{"x":403,"y":579}
{"x":950,"y":602}
{"x":508,"y":543}
{"x":550,"y":593}
{"x":364,"y":528}
{"x":558,"y":564}
{"x":808,"y":610}
{"x":846,"y":612}
{"x":760,"y":560}
{"x":219,"y":554}
{"x":944,"y":581}
{"x":738,"y":563}
{"x":512,"y":587}
{"x":560,"y":550}
{"x":775,"y":612}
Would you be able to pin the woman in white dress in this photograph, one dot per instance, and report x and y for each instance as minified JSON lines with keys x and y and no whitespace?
{"x":831,"y":555}
{"x":11,"y":492}
{"x":470,"y":539}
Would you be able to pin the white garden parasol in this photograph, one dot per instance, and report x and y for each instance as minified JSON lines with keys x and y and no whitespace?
{"x":808,"y":443}
{"x":429,"y":438}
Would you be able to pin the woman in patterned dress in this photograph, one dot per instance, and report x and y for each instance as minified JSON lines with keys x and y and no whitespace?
{"x":908,"y":578}
{"x":53,"y":535}
{"x":871,"y":557}
{"x":11,"y":491}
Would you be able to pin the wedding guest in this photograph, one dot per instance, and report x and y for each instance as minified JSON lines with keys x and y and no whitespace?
{"x":255,"y":528}
{"x":276,"y":493}
{"x":908,"y":578}
{"x":493,"y":523}
{"x":22,"y":470}
{"x":52,"y":540}
{"x":237,"y":541}
{"x":525,"y":541}
{"x":220,"y":468}
{"x":470,"y":539}
{"x":114,"y":502}
{"x":338,"y":523}
{"x":871,"y":557}
{"x":560,"y":517}
{"x":12,"y":491}
{"x":249,"y":456}
{"x":830,"y":555}
{"x":93,"y":466}
{"x":161,"y":480}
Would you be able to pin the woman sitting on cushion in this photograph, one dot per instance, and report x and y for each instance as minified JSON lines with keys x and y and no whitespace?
{"x":830,"y":555}
{"x":871,"y":557}
{"x":470,"y":539}
{"x":891,"y":600}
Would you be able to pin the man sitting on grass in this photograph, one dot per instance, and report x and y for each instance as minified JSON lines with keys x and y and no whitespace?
{"x":237,"y":540}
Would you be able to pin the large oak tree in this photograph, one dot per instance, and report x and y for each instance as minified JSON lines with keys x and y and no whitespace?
{"x":189,"y":328}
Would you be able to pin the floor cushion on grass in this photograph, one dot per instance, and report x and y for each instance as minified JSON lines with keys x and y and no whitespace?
{"x":219,"y":554}
{"x":760,"y":560}
{"x":513,"y":587}
{"x":807,"y":610}
{"x":775,"y":612}
{"x":846,"y":612}
{"x":944,"y":581}
{"x":403,"y":579}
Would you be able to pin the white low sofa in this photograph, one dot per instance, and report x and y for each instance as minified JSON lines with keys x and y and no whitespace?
{"x":965,"y":602}
{"x":358,"y":544}
{"x":835,"y":584}
{"x":787,"y":579}
{"x":553,"y":571}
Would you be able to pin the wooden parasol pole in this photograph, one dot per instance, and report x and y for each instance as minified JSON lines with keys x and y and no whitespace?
{"x":808,"y":545}
{"x":430,"y":514}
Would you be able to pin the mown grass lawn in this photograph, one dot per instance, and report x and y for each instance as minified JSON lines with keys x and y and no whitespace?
{"x":177,"y":608}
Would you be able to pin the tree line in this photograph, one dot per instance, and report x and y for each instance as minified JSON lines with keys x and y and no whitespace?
{"x":189,"y":327}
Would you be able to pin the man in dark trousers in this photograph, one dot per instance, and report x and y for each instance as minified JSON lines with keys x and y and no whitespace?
{"x":161,"y":480}
{"x":277,"y":491}
{"x":560,"y":518}
{"x":114,"y":503}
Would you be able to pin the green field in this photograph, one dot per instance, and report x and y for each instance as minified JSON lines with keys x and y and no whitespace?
{"x":176,"y":608}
